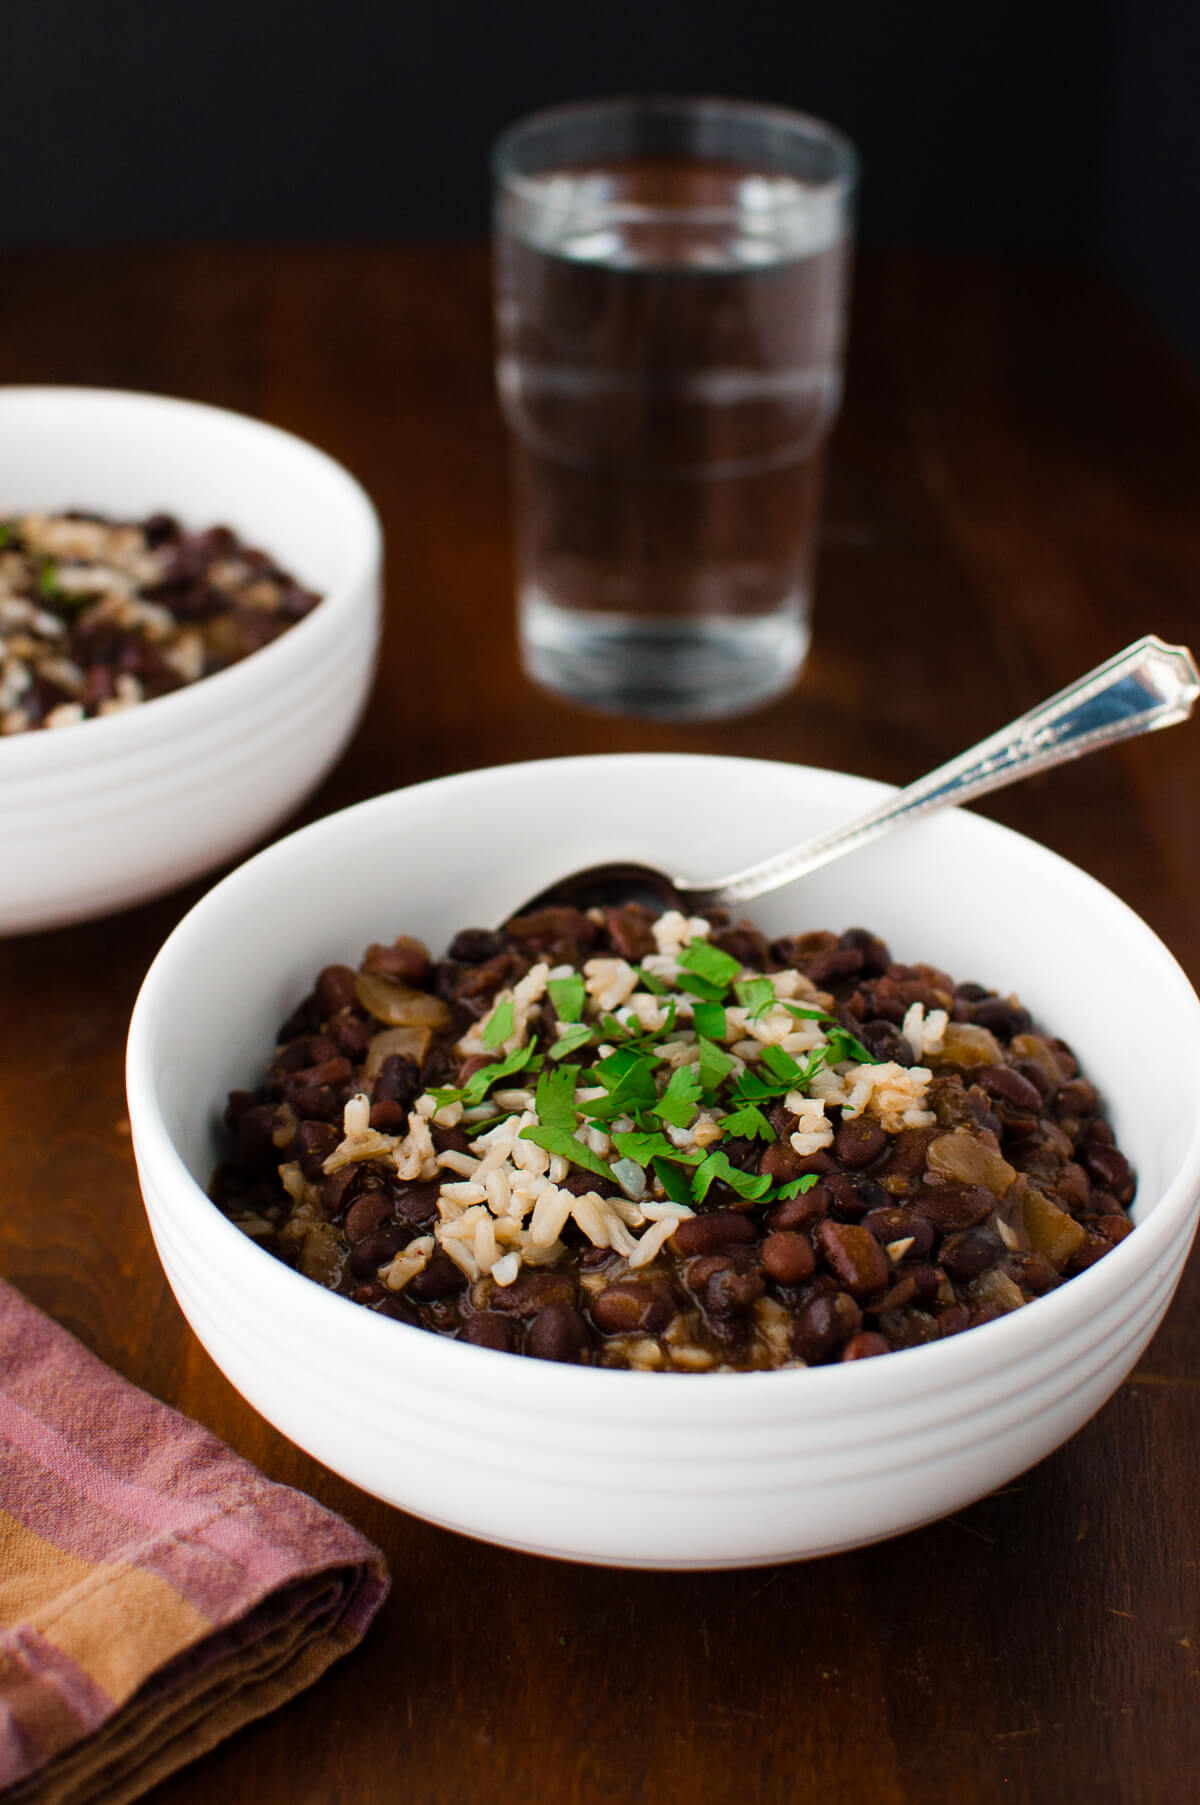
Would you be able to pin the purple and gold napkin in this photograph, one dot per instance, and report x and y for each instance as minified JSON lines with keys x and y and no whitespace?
{"x":156,"y":1592}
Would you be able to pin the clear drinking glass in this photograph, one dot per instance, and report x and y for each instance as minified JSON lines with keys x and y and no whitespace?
{"x":671,"y":281}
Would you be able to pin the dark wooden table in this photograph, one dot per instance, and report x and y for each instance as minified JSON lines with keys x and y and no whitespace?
{"x":1013,"y":496}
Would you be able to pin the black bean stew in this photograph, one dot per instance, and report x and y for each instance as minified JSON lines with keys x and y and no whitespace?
{"x":99,"y":615}
{"x":669,"y":1144}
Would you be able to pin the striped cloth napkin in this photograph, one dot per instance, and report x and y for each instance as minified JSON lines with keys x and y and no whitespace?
{"x":156,"y":1592}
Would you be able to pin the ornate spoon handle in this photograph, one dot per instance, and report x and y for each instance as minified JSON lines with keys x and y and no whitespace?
{"x":1149,"y":685}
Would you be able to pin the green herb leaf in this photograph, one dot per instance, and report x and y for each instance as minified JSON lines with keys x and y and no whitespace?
{"x":756,"y":995}
{"x":709,"y":1019}
{"x":748,"y":1121}
{"x":648,"y":981}
{"x":576,"y":1036}
{"x":804,"y":1014}
{"x":681,"y":1099}
{"x":480,"y":1082}
{"x":48,"y":581}
{"x":700,"y":987}
{"x":630,"y":1082}
{"x":499,"y":1025}
{"x":6,"y":533}
{"x":554,"y":1099}
{"x":782,"y":1066}
{"x":709,"y":962}
{"x":715,"y":1065}
{"x":845,"y":1046}
{"x":718,"y":1165}
{"x":674,"y":1181}
{"x":646,"y":1147}
{"x":568,"y":996}
{"x":794,"y":1188}
{"x":557,"y":1140}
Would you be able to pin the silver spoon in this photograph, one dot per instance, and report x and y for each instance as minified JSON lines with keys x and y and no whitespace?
{"x":1148,"y":685}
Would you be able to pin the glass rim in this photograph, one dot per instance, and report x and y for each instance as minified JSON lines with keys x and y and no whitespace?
{"x":839,"y":185}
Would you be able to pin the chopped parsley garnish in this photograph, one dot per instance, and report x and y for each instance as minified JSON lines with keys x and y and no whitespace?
{"x":646,"y":1147}
{"x":718,"y":1165}
{"x":794,"y":1188}
{"x":782,"y":1066}
{"x":709,"y":962}
{"x":756,"y":996}
{"x":557,"y":1140}
{"x":674,"y":1181}
{"x":554,"y":1099}
{"x":481,"y":1081}
{"x":715,"y":1066}
{"x":499,"y":1025}
{"x":681,"y":1099}
{"x":48,"y":582}
{"x":630,"y":1085}
{"x":748,"y":1122}
{"x":629,"y":1080}
{"x":709,"y":1019}
{"x":576,"y":1036}
{"x":568,"y":996}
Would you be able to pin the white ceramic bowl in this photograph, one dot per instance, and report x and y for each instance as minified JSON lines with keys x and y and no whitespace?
{"x":122,"y":808}
{"x":650,"y":1469}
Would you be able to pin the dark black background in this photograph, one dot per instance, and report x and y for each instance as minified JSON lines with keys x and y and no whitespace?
{"x":1059,"y":123}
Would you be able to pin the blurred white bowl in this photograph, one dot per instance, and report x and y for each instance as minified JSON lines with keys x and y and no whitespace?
{"x":654,"y":1469}
{"x":122,"y":808}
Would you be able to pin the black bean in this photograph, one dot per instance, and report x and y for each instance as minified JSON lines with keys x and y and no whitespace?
{"x":788,"y":1257}
{"x":394,"y":1306}
{"x":473,"y":946}
{"x":531,"y":1291}
{"x":405,"y":962}
{"x":416,"y":1203}
{"x":316,"y":1141}
{"x":719,"y":1228}
{"x":1109,"y":1167}
{"x":1001,"y":1017}
{"x":557,"y":1332}
{"x":632,"y":1308}
{"x":486,"y":1329}
{"x":334,"y":989}
{"x":953,"y":1206}
{"x":859,"y":1141}
{"x":896,"y":1224}
{"x":833,"y":965}
{"x":824,"y":1323}
{"x":781,"y":1162}
{"x":884,"y":1040}
{"x":398,"y":1081}
{"x":366,"y":1216}
{"x":374,"y":1251}
{"x":854,"y":1255}
{"x":969,"y":1252}
{"x":349,"y":1033}
{"x":440,"y":1277}
{"x":800,"y":1211}
{"x":864,"y":1346}
{"x":731,"y":1293}
{"x":256,"y":1151}
{"x":1004,"y":1082}
{"x":388,"y":1118}
{"x":875,"y":955}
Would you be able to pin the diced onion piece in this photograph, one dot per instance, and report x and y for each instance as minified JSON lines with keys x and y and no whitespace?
{"x":631,"y":1177}
{"x":398,"y":1005}
{"x":410,"y":1043}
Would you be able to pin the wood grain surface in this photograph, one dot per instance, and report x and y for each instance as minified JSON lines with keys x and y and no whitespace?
{"x":1012,"y":497}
